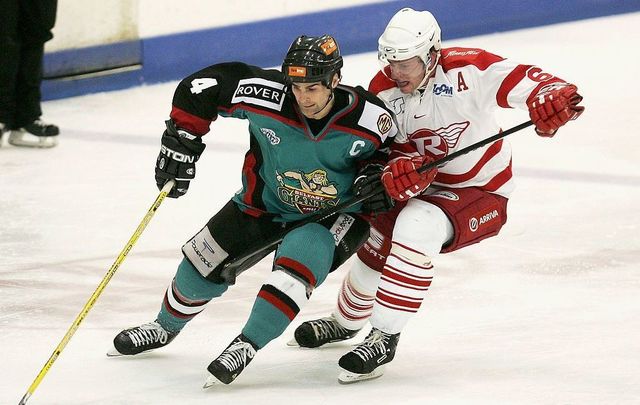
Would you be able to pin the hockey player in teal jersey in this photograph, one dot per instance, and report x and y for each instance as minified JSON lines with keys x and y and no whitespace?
{"x":311,"y":138}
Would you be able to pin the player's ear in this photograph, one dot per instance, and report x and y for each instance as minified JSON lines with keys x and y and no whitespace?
{"x":335,"y":81}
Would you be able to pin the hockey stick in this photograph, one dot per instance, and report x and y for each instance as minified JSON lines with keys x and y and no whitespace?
{"x":230,"y":269}
{"x":87,"y":307}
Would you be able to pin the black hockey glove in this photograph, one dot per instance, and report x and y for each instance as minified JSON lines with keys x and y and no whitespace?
{"x":179,"y":153}
{"x":366,"y":182}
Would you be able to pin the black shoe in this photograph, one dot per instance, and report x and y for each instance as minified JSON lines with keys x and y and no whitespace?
{"x":363,"y":362}
{"x":231,"y":361}
{"x":140,"y":339}
{"x":3,"y":129}
{"x":38,"y":134}
{"x":321,"y":331}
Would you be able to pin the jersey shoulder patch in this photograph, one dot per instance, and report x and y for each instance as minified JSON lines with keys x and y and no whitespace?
{"x":259,"y":91}
{"x":460,"y":57}
{"x":378,"y":120}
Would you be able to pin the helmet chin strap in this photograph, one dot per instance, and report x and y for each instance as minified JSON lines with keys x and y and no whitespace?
{"x":325,"y":104}
{"x":427,"y":74}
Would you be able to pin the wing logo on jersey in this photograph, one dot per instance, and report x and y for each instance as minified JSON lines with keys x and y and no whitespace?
{"x":307,"y":192}
{"x":438,"y":142}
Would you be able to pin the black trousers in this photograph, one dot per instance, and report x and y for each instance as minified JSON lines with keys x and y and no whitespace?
{"x":236,"y":233}
{"x":25,"y":25}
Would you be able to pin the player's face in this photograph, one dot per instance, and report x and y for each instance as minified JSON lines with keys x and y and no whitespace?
{"x":312,"y":99}
{"x":407,"y":74}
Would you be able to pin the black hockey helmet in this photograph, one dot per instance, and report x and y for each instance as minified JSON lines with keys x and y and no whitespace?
{"x":312,"y":59}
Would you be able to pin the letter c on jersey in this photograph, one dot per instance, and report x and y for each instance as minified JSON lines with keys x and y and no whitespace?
{"x":356,"y":148}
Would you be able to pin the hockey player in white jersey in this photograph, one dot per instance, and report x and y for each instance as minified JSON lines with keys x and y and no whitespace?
{"x":444,"y":100}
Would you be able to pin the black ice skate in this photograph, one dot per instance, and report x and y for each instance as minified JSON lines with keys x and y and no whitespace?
{"x":231,"y":361}
{"x":3,"y":129}
{"x":141,"y":339}
{"x":319,"y":332}
{"x":38,"y":134}
{"x":365,"y":361}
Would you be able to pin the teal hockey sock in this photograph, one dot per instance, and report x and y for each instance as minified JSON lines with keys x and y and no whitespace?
{"x":186,"y":297}
{"x":302,"y":263}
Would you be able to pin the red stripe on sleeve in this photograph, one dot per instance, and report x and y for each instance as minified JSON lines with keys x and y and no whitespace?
{"x":509,"y":83}
{"x":459,"y":57}
{"x":189,"y":122}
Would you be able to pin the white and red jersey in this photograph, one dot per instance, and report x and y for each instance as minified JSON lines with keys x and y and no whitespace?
{"x":456,"y":109}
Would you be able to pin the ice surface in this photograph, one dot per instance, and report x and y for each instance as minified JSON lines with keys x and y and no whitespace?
{"x":548,"y":312}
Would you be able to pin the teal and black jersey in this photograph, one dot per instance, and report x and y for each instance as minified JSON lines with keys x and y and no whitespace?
{"x":290,"y":170}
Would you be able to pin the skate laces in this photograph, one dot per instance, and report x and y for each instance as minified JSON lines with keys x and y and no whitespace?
{"x":374,"y":344}
{"x":236,"y":355}
{"x":147,"y":334}
{"x":40,"y":123}
{"x":327,"y":328}
{"x":41,"y":128}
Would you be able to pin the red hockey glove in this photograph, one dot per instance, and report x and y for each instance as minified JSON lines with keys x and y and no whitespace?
{"x":554,"y":106}
{"x":402,"y":181}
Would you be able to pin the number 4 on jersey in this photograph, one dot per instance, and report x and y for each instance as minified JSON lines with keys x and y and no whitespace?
{"x":197,"y":85}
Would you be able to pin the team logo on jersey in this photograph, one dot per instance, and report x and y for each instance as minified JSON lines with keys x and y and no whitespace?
{"x":438,"y":142}
{"x":265,"y":93}
{"x":443,"y":90}
{"x":270,"y":134}
{"x":398,"y":105}
{"x":307,"y":192}
{"x":377,"y":120}
{"x":385,"y":122}
{"x":474,"y":223}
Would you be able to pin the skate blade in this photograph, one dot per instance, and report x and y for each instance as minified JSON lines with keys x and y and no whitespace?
{"x":40,"y":142}
{"x":347,"y":377}
{"x":294,"y":343}
{"x":211,"y":381}
{"x":114,"y":353}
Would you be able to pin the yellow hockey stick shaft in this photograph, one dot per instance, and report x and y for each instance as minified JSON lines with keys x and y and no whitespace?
{"x":87,"y":307}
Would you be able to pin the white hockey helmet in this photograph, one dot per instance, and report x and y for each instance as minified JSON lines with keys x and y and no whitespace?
{"x":409,"y":33}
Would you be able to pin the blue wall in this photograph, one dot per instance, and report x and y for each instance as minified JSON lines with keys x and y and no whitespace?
{"x":264,"y":43}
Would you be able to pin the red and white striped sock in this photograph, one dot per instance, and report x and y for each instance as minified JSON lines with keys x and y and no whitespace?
{"x":355,"y":301}
{"x":404,"y":283}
